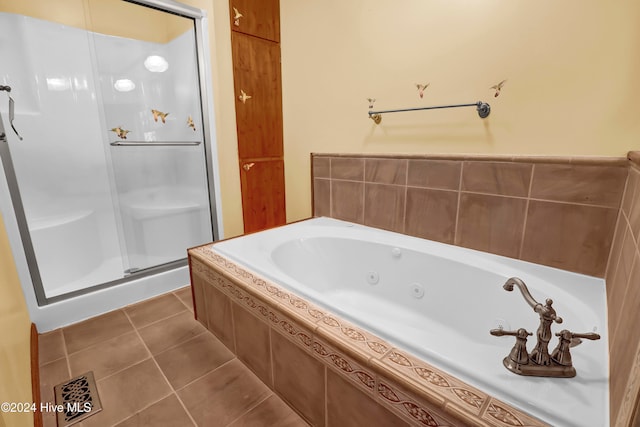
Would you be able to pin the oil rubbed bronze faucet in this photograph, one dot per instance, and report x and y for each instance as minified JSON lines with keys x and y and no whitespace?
{"x":539,"y":362}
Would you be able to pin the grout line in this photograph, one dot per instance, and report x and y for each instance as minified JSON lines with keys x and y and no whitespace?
{"x":183,"y":303}
{"x":611,"y":261}
{"x":173,"y":391}
{"x":66,"y":355}
{"x":364,"y":191}
{"x":144,"y":408}
{"x":526,"y":213}
{"x":326,"y":397}
{"x":160,"y":320}
{"x":406,"y":195}
{"x":271,"y":361}
{"x":455,"y":230}
{"x":271,"y":394}
{"x":626,"y":290}
{"x":179,"y":343}
{"x":211,"y":371}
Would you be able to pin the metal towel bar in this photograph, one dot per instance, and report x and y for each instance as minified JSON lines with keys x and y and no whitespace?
{"x":482,"y":107}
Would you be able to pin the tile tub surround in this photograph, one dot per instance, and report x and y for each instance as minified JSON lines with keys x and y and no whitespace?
{"x":623,"y":300}
{"x":331,"y":372}
{"x":554,"y":211}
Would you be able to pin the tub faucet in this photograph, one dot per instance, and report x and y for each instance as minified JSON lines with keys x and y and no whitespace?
{"x":540,"y":353}
{"x":539,"y":362}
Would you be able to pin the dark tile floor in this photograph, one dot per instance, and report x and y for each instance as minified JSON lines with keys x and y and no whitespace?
{"x":155,"y":365}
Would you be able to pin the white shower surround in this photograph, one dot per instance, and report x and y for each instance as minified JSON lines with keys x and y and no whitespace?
{"x":64,"y":217}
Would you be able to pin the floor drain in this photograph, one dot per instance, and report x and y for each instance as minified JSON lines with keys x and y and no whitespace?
{"x":77,"y":399}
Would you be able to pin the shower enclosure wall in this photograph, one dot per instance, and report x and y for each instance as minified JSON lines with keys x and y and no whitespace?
{"x":114,"y":179}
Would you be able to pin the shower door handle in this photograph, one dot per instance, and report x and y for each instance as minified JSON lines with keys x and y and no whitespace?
{"x":248,"y":166}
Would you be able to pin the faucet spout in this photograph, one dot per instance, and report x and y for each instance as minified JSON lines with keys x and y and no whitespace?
{"x":508,"y":286}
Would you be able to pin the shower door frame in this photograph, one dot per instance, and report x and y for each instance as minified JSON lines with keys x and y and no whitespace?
{"x":211,"y":167}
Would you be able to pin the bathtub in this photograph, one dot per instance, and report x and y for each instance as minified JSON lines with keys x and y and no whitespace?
{"x":438,"y":302}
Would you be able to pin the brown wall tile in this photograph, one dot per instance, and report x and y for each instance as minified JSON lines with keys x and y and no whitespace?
{"x":568,"y":236}
{"x":384,"y":206}
{"x":618,"y":286}
{"x":219,"y":316}
{"x":614,"y":256}
{"x":197,"y":285}
{"x":252,"y":343}
{"x":509,"y":179}
{"x":347,"y":200}
{"x":441,"y":174}
{"x":634,"y":215}
{"x":345,"y":168}
{"x":321,"y":167}
{"x":625,"y":341}
{"x":347,"y":406}
{"x":321,"y":197}
{"x":491,"y":223}
{"x":431,"y":214}
{"x":597,"y":185}
{"x":386,"y":171}
{"x":299,"y":379}
{"x":632,"y":184}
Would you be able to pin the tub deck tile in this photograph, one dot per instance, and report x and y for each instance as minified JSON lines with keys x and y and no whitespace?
{"x":428,"y":377}
{"x":502,"y":415}
{"x":333,"y":327}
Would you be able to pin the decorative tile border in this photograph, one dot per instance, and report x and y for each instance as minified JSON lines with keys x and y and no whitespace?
{"x":346,"y":366}
{"x":365,"y":360}
{"x":340,"y":329}
{"x":408,"y":406}
{"x":449,"y":387}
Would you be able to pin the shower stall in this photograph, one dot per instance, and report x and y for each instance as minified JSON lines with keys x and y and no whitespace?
{"x":115,"y":176}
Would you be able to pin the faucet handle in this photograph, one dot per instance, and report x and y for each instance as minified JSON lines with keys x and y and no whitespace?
{"x":501,"y":332}
{"x":518,"y":355}
{"x":561,"y":354}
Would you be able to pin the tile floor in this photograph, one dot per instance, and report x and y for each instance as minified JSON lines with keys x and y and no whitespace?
{"x":155,"y":365}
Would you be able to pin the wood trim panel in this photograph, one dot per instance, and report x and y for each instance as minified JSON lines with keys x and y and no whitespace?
{"x":259,"y":18}
{"x":35,"y":376}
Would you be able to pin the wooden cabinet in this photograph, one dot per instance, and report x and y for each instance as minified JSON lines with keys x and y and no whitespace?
{"x":259,"y":18}
{"x":256,"y":73}
{"x":257,"y":83}
{"x":262,"y":182}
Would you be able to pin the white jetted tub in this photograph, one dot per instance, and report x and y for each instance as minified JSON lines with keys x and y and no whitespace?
{"x":439,"y":302}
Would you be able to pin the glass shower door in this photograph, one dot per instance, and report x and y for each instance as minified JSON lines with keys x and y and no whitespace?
{"x":153,"y":125}
{"x":112,"y":173}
